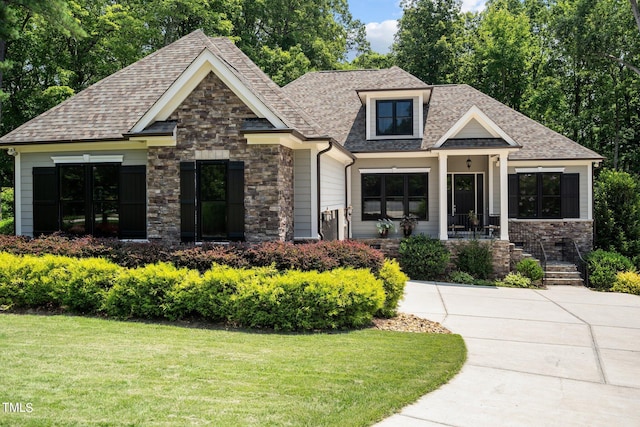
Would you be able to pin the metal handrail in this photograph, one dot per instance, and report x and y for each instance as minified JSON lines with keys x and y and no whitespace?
{"x":575,"y":256}
{"x":543,"y":260}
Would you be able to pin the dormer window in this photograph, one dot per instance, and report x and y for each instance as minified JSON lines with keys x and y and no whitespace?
{"x":394,"y":117}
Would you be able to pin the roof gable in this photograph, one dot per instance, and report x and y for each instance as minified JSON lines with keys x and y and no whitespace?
{"x":149,"y":90}
{"x":475,"y":114}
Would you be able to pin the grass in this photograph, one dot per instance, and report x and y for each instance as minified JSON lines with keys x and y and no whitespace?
{"x":77,"y":371}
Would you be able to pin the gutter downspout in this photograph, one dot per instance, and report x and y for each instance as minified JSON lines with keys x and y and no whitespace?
{"x":346,"y":199}
{"x":320,"y":153}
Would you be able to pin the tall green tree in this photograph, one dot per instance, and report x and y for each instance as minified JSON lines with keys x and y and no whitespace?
{"x":324,"y":31}
{"x":425,"y":44}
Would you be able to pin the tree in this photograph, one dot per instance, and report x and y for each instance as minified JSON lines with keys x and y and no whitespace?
{"x":617,"y":212}
{"x":323,"y":31}
{"x":425,"y":44}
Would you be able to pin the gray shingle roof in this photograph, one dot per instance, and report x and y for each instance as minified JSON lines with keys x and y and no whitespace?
{"x":332,"y":99}
{"x":450,"y":102}
{"x":111,"y":107}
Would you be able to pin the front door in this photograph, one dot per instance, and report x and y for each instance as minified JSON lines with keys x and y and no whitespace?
{"x":464,"y":195}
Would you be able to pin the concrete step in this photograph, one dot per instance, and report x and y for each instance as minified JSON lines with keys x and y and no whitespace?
{"x":562,"y":273}
{"x":555,"y":281}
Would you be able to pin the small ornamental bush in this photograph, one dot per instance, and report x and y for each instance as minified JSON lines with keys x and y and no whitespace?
{"x":308,"y":300}
{"x":89,"y":282}
{"x":515,"y":280}
{"x":604,"y":266}
{"x":627,"y":282}
{"x":6,"y":226}
{"x":530,"y":268}
{"x":461,"y":277}
{"x":143,"y":292}
{"x":393,"y":280}
{"x":423,"y":258}
{"x":475,"y":258}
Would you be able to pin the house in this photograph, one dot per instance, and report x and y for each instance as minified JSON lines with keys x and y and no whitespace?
{"x":194,"y":142}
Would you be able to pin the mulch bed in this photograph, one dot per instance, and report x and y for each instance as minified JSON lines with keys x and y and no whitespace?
{"x":410,"y":323}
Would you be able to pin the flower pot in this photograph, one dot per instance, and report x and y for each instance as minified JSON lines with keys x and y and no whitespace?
{"x":383,"y":233}
{"x":407,"y":231}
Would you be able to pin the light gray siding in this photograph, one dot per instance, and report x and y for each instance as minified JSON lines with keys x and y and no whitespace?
{"x":302,"y":193}
{"x":473,"y":129}
{"x":332,"y":188}
{"x":30,"y":160}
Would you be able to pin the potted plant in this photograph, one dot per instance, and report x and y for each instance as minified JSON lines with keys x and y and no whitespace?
{"x":383,"y":225}
{"x":408,"y":223}
{"x":473,"y":219}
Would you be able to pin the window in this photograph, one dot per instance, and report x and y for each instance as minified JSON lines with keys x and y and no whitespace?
{"x":394,"y":117}
{"x":103,"y":200}
{"x":212,"y":200}
{"x":544,"y":195}
{"x":394,"y":195}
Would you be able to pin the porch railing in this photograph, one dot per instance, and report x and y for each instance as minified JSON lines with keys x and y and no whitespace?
{"x":461,"y":225}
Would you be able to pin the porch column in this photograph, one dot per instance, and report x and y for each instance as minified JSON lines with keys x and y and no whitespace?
{"x":504,"y":198}
{"x":442,"y":201}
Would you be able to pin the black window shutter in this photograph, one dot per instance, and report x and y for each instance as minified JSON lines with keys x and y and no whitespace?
{"x":46,"y":215}
{"x":188,"y":201}
{"x":513,"y":196}
{"x":570,"y":189}
{"x":235,"y":201}
{"x":133,"y":202}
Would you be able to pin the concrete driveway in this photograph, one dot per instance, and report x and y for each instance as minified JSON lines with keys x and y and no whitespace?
{"x":566,"y":356}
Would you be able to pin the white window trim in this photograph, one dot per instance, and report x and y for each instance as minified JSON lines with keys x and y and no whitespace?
{"x":395,"y":170}
{"x":87,"y":158}
{"x":371,"y":114}
{"x":539,"y":170}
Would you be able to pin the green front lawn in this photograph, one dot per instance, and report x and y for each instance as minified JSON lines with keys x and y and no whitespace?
{"x":87,"y":371}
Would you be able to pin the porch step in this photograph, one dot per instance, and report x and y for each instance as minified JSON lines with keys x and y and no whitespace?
{"x":562,"y":273}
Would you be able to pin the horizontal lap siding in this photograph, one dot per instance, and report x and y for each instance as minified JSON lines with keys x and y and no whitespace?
{"x":302,"y":193}
{"x":30,"y":160}
{"x":332,"y":187}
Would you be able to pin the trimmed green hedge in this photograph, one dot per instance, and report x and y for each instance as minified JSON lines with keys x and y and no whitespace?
{"x":250,"y":297}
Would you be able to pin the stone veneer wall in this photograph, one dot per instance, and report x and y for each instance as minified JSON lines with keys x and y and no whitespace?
{"x":209,"y":123}
{"x":551,"y":234}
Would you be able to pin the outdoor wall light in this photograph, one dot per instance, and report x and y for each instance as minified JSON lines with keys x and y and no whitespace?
{"x":468,"y":162}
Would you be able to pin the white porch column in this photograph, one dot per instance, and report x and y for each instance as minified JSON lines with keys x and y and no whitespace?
{"x":504,"y":198}
{"x":442,"y":200}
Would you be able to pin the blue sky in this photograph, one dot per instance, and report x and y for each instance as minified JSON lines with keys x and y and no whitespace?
{"x":381,"y":16}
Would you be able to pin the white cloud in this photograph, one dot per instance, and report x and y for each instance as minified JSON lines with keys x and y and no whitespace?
{"x":380,"y":35}
{"x":473,"y":5}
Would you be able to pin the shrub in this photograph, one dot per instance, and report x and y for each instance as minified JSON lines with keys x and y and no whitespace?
{"x":6,"y":202}
{"x":515,"y":280}
{"x":295,"y":300}
{"x":461,"y":277}
{"x":530,"y":268}
{"x":475,"y":258}
{"x":89,"y":282}
{"x":6,"y":226}
{"x":143,"y":292}
{"x":628,"y":282}
{"x":11,"y":282}
{"x":393,"y":281}
{"x":603,"y":267}
{"x":423,"y":258}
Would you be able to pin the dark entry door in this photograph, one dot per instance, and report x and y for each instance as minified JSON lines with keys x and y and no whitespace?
{"x":465,"y":195}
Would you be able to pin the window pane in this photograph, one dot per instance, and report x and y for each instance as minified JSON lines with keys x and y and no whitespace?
{"x":372,"y":209}
{"x":73,"y":218}
{"x":394,"y":185}
{"x":418,"y":184}
{"x":404,"y":126}
{"x":371,"y":185}
{"x":385,"y":126}
{"x":213,"y":184}
{"x":214,"y":219}
{"x":384,"y":108}
{"x":551,"y":207}
{"x":528,"y":184}
{"x":404,"y":108}
{"x":528,"y":206}
{"x":105,"y":182}
{"x":72,"y":183}
{"x":418,"y":208}
{"x":395,"y":207}
{"x":106,"y":219}
{"x":551,"y":184}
